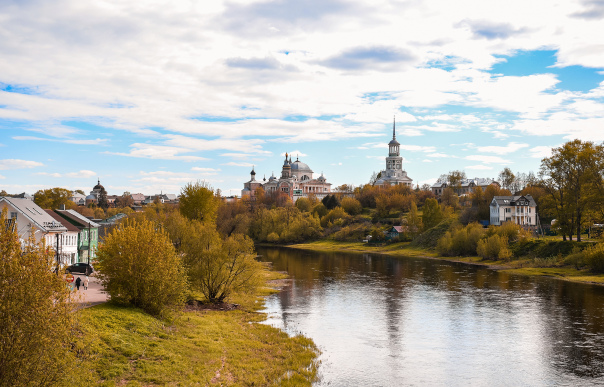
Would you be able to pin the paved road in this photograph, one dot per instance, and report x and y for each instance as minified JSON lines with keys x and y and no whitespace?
{"x":93,"y":296}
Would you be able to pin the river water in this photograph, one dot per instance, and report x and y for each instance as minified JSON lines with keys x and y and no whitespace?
{"x":383,"y":321}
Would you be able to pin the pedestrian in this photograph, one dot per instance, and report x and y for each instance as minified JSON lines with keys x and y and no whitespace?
{"x":78,"y":282}
{"x":86,"y":283}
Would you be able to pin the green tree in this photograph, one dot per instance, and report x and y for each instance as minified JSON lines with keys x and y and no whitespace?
{"x":198,"y":202}
{"x":37,"y":322}
{"x":53,"y":198}
{"x":432,"y":214}
{"x":137,"y":264}
{"x":103,"y":203}
{"x":414,"y":222}
{"x":572,"y":177}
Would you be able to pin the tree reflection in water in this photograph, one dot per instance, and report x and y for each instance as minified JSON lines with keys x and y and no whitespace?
{"x":399,"y":321}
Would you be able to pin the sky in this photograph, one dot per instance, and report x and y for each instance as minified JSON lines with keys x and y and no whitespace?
{"x":150,"y":95}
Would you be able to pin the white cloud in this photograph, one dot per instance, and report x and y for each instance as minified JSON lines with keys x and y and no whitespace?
{"x":49,"y":174}
{"x":503,"y":150}
{"x":159,"y":152}
{"x":18,"y":164}
{"x":236,"y":164}
{"x":479,"y":167}
{"x":540,"y":152}
{"x":295,"y":153}
{"x":487,"y":159}
{"x":82,"y":174}
{"x":438,"y":155}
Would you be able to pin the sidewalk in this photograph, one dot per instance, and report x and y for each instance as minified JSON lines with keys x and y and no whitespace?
{"x":93,"y":296}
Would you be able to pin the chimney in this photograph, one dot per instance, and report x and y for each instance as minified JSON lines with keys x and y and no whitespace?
{"x":62,"y":207}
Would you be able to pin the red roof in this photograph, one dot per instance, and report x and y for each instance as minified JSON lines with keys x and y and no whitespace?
{"x":60,"y":219}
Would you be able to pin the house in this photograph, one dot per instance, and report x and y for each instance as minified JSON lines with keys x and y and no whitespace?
{"x":68,"y":241}
{"x":465,"y":187}
{"x":521,"y":210}
{"x":138,"y":198}
{"x":394,"y":232}
{"x":29,"y":218}
{"x":78,"y":198}
{"x":88,"y":237}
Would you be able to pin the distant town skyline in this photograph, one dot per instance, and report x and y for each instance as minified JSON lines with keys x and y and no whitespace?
{"x":148,"y":97}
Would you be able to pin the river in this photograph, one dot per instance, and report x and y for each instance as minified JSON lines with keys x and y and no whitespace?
{"x":384,"y":321}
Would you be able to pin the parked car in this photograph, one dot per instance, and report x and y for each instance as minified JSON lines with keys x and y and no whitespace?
{"x":80,"y":267}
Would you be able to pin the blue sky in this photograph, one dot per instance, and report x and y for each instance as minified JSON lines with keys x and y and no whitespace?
{"x":148,"y":96}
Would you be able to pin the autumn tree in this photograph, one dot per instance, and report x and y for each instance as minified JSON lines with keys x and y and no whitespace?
{"x":138,"y":265}
{"x":506,"y":178}
{"x":53,"y":198}
{"x":351,"y":206}
{"x":449,"y":198}
{"x":102,"y":201}
{"x":414,"y":222}
{"x":431,"y":213}
{"x":572,"y":177}
{"x":303,"y":204}
{"x":37,"y":319}
{"x":124,"y":201}
{"x":198,"y":202}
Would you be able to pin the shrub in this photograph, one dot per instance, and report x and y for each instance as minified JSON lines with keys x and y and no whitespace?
{"x":36,"y":316}
{"x":594,"y":258}
{"x":138,"y":265}
{"x":351,"y":206}
{"x":272,"y":237}
{"x":461,"y":240}
{"x":493,"y":247}
{"x":334,"y":215}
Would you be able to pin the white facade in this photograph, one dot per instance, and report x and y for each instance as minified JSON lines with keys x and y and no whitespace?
{"x":30,"y":218}
{"x":521,"y":210}
{"x":394,"y":174}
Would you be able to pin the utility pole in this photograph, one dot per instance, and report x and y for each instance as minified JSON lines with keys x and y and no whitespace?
{"x":57,"y":252}
{"x":89,"y":240}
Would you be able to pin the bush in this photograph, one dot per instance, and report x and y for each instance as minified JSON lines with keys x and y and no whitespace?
{"x":36,"y":316}
{"x":430,"y":237}
{"x":334,"y":215}
{"x":138,"y":265}
{"x":493,"y":247}
{"x":461,"y":241}
{"x":351,"y":206}
{"x":594,"y":258}
{"x":353,"y":233}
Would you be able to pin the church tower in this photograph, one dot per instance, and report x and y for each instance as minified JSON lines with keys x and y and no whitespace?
{"x":287,"y":169}
{"x":394,"y":161}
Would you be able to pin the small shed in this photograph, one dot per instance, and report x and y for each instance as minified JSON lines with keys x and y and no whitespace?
{"x":394,"y":232}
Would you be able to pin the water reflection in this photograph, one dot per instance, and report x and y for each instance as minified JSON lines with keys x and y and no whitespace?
{"x":383,"y":321}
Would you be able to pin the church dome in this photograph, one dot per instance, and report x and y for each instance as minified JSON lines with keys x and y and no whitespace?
{"x":90,"y":197}
{"x":98,"y":187}
{"x":393,"y":142}
{"x":300,"y":166}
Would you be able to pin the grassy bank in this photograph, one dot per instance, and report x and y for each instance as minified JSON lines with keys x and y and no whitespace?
{"x":405,"y":249}
{"x":125,"y":346}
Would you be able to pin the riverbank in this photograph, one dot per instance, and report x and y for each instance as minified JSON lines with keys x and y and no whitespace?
{"x":125,"y":346}
{"x":404,"y":249}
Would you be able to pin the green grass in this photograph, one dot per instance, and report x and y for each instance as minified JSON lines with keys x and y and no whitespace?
{"x":125,"y":346}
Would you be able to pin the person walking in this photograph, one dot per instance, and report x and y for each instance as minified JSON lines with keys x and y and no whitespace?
{"x":78,"y":282}
{"x":86,"y":283}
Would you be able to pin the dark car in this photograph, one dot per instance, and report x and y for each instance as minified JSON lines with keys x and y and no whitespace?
{"x":80,"y":267}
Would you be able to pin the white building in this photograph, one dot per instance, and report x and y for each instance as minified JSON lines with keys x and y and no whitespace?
{"x":28,"y":217}
{"x":394,"y":174}
{"x":68,"y":241}
{"x":296,"y":181}
{"x":520,"y":210}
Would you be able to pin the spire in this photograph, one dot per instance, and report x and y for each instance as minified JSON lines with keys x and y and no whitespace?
{"x":297,"y":157}
{"x":394,"y":129}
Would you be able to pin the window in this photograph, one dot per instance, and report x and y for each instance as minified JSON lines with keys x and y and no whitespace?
{"x":13,"y":215}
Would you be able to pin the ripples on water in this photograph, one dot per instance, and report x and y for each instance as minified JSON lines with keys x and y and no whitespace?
{"x":382,"y":321}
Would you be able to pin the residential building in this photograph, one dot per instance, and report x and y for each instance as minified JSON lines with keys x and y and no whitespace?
{"x":465,"y":187}
{"x":78,"y":198}
{"x":138,"y":198}
{"x":88,"y":236}
{"x":296,"y":181}
{"x":394,"y":174}
{"x":520,"y":210}
{"x":29,"y":218}
{"x":68,"y":241}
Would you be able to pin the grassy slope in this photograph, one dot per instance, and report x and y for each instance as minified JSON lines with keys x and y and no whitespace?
{"x":405,"y":249}
{"x":125,"y":346}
